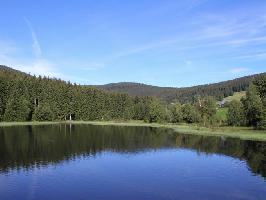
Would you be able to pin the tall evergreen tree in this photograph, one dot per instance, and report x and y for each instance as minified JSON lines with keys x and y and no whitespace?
{"x":253,"y":106}
{"x":156,"y":111}
{"x":17,"y":109}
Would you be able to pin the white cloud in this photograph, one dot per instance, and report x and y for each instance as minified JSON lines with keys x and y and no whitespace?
{"x":239,"y":70}
{"x":35,"y":43}
{"x":254,"y":56}
{"x":40,"y":67}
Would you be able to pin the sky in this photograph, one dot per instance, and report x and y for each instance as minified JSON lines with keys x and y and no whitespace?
{"x":158,"y":42}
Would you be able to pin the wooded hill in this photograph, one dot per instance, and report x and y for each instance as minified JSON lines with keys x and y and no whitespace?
{"x":183,"y":95}
{"x":24,"y":98}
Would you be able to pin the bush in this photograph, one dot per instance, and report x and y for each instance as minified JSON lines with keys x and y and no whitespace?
{"x":235,"y":115}
{"x":189,"y":113}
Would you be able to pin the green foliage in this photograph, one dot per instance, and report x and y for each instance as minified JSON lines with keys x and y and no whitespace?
{"x":260,"y":84}
{"x":221,"y":115}
{"x":176,"y":110}
{"x":183,"y":95}
{"x":57,"y":100}
{"x":236,"y":96}
{"x":17,"y":109}
{"x":207,"y":110}
{"x":24,"y":97}
{"x":43,"y":113}
{"x":253,"y":107}
{"x":141,"y":108}
{"x":235,"y":115}
{"x":189,"y":113}
{"x":156,"y":111}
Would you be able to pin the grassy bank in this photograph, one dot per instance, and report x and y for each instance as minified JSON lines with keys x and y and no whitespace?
{"x":244,"y":133}
{"x":33,"y":123}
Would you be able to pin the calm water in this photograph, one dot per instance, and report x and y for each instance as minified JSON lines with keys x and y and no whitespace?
{"x":106,"y":162}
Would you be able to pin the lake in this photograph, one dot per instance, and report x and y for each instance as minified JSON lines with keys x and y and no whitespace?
{"x":112,"y":162}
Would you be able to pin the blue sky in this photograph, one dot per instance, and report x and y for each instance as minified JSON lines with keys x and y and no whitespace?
{"x":158,"y":42}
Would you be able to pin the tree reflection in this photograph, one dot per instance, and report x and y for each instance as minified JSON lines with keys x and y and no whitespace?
{"x":24,"y":147}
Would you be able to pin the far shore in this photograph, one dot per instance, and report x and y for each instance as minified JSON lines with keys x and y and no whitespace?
{"x":244,"y":133}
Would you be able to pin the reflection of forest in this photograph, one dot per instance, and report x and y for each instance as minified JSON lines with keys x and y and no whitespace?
{"x":25,"y":146}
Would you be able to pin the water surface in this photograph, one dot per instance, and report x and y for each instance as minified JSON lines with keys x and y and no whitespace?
{"x":110,"y":162}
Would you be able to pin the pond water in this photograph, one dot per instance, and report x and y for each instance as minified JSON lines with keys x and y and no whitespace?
{"x":111,"y":162}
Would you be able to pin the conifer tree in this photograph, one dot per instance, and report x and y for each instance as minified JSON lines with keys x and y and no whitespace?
{"x":253,"y":107}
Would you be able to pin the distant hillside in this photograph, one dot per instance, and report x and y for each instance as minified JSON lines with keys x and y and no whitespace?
{"x":10,"y":70}
{"x":169,"y":94}
{"x":186,"y":94}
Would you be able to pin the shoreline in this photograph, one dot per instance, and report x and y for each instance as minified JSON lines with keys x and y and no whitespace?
{"x":244,"y":133}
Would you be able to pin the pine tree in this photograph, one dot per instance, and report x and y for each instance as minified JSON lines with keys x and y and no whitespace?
{"x":17,"y":109}
{"x":156,"y":111}
{"x":253,"y":106}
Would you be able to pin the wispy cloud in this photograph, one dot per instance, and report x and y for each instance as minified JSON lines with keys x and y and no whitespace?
{"x":229,"y":29}
{"x":253,"y":56}
{"x":41,"y":67}
{"x":35,"y":65}
{"x":239,"y":70}
{"x":35,"y":42}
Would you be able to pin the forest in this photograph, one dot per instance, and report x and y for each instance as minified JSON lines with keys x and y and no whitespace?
{"x":24,"y":97}
{"x":185,"y":94}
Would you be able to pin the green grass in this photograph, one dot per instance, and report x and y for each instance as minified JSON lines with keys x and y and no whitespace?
{"x":245,"y":133}
{"x":236,"y":96}
{"x":33,"y":123}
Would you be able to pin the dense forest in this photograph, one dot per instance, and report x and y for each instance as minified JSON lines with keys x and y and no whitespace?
{"x":24,"y":98}
{"x":182,"y":95}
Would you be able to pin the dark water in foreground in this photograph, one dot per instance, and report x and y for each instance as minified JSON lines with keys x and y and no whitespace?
{"x":107,"y":162}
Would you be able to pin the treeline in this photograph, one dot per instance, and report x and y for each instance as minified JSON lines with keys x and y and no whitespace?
{"x":183,"y":95}
{"x":251,"y":110}
{"x":25,"y":98}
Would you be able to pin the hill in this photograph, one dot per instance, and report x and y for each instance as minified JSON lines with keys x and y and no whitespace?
{"x":186,"y":94}
{"x":219,"y":90}
{"x":24,"y":97}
